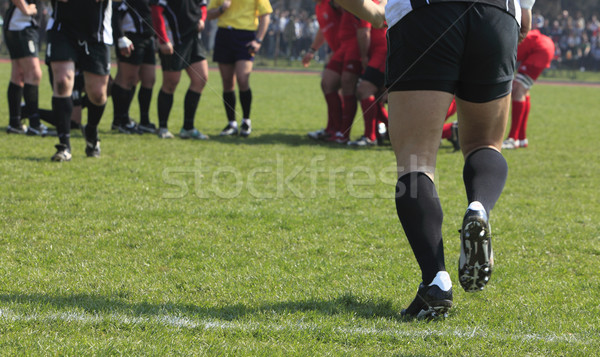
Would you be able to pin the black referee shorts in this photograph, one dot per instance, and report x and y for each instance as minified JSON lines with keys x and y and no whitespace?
{"x":467,"y":49}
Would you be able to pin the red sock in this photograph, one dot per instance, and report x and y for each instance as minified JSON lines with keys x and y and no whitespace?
{"x":348,"y":113}
{"x":523,"y":126}
{"x":369,"y":109}
{"x":447,"y":131}
{"x":518,"y":109}
{"x":452,"y":109}
{"x":382,"y":113}
{"x":334,"y":112}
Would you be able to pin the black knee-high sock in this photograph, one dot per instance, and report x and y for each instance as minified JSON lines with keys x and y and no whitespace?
{"x":229,"y":102}
{"x":144,"y":98}
{"x":48,"y":116}
{"x":246,"y":102}
{"x":15,"y":93}
{"x":62,"y":108}
{"x":30,"y":94}
{"x":130,"y":95}
{"x":165,"y":102}
{"x":484,"y":176}
{"x":421,"y":215}
{"x":189,"y":108}
{"x":94,"y":115}
{"x":120,"y":98}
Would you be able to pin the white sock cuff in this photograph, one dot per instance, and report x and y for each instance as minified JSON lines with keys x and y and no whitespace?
{"x":476,"y":206}
{"x":442,"y":279}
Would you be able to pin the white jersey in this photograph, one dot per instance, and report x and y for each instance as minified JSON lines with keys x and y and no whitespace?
{"x":397,"y":9}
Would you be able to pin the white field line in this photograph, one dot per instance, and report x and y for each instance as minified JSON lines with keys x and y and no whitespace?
{"x":182,"y":322}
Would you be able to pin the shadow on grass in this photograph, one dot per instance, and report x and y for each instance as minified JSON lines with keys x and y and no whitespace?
{"x":287,"y":139}
{"x":98,"y":304}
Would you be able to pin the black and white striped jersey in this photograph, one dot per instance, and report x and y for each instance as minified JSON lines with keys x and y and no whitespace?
{"x":86,"y":20}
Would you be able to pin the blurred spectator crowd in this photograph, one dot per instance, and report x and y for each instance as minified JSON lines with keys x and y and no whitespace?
{"x":576,"y":38}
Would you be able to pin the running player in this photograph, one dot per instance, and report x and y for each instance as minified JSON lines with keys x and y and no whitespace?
{"x":468,"y":52}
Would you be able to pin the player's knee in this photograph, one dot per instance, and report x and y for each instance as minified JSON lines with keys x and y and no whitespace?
{"x":97,"y":96}
{"x":35,"y":76}
{"x":62,"y":86}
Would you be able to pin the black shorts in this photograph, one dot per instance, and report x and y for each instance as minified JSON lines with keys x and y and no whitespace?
{"x":24,"y":43}
{"x":93,"y":57}
{"x":469,"y":50}
{"x":231,"y":45}
{"x":144,"y":50}
{"x":374,"y":76}
{"x":189,"y":51}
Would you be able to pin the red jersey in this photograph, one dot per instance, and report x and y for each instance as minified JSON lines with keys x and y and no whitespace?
{"x":329,"y":21}
{"x":537,"y":46}
{"x":349,"y":24}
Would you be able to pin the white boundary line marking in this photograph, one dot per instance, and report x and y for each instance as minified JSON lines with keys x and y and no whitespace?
{"x":182,"y":322}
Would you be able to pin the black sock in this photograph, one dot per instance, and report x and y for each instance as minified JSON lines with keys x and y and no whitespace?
{"x":120,"y":97}
{"x":48,"y":116}
{"x":94,"y":115}
{"x":15,"y":93}
{"x":484,"y":176}
{"x":189,"y":108}
{"x":62,"y":108}
{"x":246,"y":102}
{"x":229,"y":101}
{"x":421,"y":215}
{"x":165,"y":102}
{"x":30,"y":94}
{"x":144,"y":98}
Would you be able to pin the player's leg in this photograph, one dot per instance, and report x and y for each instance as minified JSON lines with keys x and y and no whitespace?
{"x":415,"y":124}
{"x":519,"y":103}
{"x":62,"y":105}
{"x":198,"y":73}
{"x":171,"y":79}
{"x":14,"y":95}
{"x":365,"y":92}
{"x":96,"y":90}
{"x":123,"y":89}
{"x":32,"y":75}
{"x":330,"y":86}
{"x":243,"y":68}
{"x":227,"y":71}
{"x":349,"y":80}
{"x":147,"y":75}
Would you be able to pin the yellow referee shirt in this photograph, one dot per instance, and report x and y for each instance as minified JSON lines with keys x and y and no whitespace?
{"x":242,"y":14}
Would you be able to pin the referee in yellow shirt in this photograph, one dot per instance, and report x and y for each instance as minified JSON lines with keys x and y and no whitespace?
{"x":242,"y":25}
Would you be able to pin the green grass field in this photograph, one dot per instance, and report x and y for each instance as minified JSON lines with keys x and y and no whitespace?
{"x":276,"y":245}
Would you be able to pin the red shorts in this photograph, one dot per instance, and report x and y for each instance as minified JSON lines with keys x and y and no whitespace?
{"x":349,"y":55}
{"x":377,"y":58}
{"x":335,"y":66}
